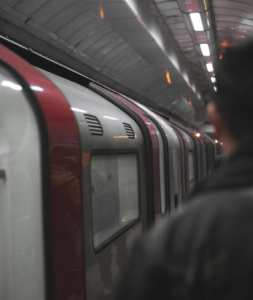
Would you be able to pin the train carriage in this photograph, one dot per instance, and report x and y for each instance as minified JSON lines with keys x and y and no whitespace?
{"x":83,"y":172}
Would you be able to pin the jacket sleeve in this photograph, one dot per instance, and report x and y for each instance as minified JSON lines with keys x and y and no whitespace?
{"x":170,"y":261}
{"x":144,"y":275}
{"x":155,"y":270}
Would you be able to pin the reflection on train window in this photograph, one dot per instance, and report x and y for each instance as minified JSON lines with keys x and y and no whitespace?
{"x":114,"y":194}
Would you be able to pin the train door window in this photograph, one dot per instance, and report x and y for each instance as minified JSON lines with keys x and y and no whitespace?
{"x":114,"y":194}
{"x":191,"y":170}
{"x":174,"y":166}
{"x":182,"y":162}
{"x":190,"y":161}
{"x":205,"y":161}
{"x":22,"y":262}
{"x":161,"y":166}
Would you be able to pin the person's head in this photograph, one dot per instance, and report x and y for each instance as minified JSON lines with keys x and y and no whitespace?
{"x":232,"y":111}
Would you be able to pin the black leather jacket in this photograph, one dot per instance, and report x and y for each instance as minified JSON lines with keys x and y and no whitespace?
{"x":205,"y":250}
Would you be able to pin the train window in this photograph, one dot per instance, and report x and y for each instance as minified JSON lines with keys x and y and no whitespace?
{"x":114,"y":194}
{"x":21,"y":198}
{"x":205,"y":161}
{"x":190,"y":160}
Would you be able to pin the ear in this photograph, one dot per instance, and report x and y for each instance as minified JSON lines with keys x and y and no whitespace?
{"x":215,"y":119}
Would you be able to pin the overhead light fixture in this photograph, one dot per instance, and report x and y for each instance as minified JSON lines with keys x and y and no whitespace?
{"x":205,"y":49}
{"x":209,"y":67}
{"x":215,"y":88}
{"x":213,"y":79}
{"x":196,"y":22}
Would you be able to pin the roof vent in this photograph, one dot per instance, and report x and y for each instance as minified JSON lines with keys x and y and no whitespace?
{"x":129,"y":131}
{"x":94,"y":125}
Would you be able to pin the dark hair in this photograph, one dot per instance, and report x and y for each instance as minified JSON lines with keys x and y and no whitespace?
{"x":234,"y":74}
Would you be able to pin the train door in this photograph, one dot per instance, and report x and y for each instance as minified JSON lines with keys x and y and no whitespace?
{"x":204,"y":158}
{"x":24,"y":183}
{"x":173,"y":161}
{"x":184,"y":158}
{"x":209,"y":153}
{"x":195,"y":152}
{"x":161,"y":167}
{"x":212,"y":150}
{"x":113,"y":184}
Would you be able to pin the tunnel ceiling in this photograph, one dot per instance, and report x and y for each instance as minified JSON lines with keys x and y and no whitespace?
{"x":144,"y":48}
{"x":234,"y":21}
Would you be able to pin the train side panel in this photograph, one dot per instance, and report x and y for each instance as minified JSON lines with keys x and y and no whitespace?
{"x":66,"y":212}
{"x":22,"y":191}
{"x":114,"y":187}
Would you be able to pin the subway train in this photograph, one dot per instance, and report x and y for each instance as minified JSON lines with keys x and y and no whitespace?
{"x":83,"y":172}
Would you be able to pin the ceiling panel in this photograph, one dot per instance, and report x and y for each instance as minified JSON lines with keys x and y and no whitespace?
{"x":114,"y":52}
{"x":130,"y":24}
{"x":93,"y":37}
{"x":99,"y":1}
{"x":112,"y":10}
{"x":159,"y":1}
{"x":11,"y":2}
{"x":185,"y":37}
{"x":48,"y":10}
{"x":27,"y":7}
{"x":167,"y":5}
{"x":144,"y":75}
{"x":234,"y":5}
{"x":124,"y":61}
{"x":172,"y":13}
{"x":180,"y":31}
{"x":234,"y":19}
{"x":75,"y":24}
{"x":85,"y":31}
{"x":233,"y":13}
{"x":121,"y":60}
{"x":94,"y":48}
{"x":177,"y":26}
{"x":66,"y":15}
{"x":144,"y":83}
{"x":133,"y":36}
{"x":107,"y":48}
{"x":148,"y":45}
{"x":132,"y":68}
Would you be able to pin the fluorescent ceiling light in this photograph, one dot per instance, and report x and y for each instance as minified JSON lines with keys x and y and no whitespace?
{"x":205,"y":49}
{"x":215,"y":88}
{"x":209,"y":67}
{"x":196,"y":22}
{"x":213,"y":79}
